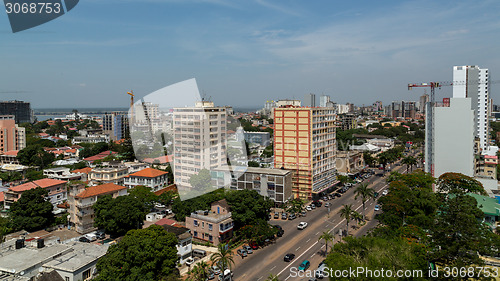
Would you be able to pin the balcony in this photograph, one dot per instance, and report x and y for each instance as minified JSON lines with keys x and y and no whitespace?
{"x":84,"y":205}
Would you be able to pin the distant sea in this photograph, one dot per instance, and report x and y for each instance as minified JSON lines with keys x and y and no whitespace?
{"x":52,"y":113}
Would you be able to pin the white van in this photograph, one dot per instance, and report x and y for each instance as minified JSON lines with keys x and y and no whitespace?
{"x":228,"y":274}
{"x":91,"y":236}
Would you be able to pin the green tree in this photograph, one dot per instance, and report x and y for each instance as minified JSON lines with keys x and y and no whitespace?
{"x":33,"y":175}
{"x":343,"y":179}
{"x":253,"y":164}
{"x":346,"y":213}
{"x":34,"y":155}
{"x":145,"y":254}
{"x":248,"y":206}
{"x":365,"y":193}
{"x":144,"y":195}
{"x":199,"y":272}
{"x":32,"y":211}
{"x":202,"y":180}
{"x":457,"y":183}
{"x":327,"y":237}
{"x":223,"y":257}
{"x":272,"y":277}
{"x":369,"y":159}
{"x":295,"y":205}
{"x":118,"y":215}
{"x":409,"y":161}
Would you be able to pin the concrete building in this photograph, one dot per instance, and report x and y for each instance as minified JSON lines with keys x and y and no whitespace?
{"x":12,"y":137}
{"x":91,"y":138}
{"x":309,"y":100}
{"x":21,"y":110}
{"x":304,"y":142}
{"x":472,"y":82}
{"x":56,"y":188}
{"x":324,"y":100}
{"x":81,"y":200}
{"x":347,"y":121}
{"x":116,"y":125}
{"x":108,"y":174}
{"x":260,"y":138}
{"x":61,"y":173}
{"x":152,"y":178}
{"x":184,"y":238}
{"x":199,"y":140}
{"x":424,"y":99}
{"x":273,"y":183}
{"x":214,"y":226}
{"x":453,"y":139}
{"x":342,"y":108}
{"x":350,"y":163}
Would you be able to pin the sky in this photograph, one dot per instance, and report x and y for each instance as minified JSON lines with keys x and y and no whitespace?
{"x":243,"y":53}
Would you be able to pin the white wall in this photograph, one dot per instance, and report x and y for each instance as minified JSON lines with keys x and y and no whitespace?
{"x":454,"y":138}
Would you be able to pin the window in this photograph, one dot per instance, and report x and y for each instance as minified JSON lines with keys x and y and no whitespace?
{"x":195,"y":234}
{"x":195,"y":223}
{"x":209,"y":226}
{"x":86,"y":274}
{"x":66,"y":278}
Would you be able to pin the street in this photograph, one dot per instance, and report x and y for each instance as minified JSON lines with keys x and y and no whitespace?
{"x":304,"y":243}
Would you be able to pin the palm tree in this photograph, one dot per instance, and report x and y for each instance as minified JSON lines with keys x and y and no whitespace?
{"x":357,"y":216}
{"x":199,"y":272}
{"x":272,"y":277}
{"x":327,"y":236}
{"x":224,"y":257}
{"x":409,"y":162}
{"x":346,"y":213}
{"x":365,"y":192}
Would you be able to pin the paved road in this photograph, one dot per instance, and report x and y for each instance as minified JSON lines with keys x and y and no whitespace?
{"x":304,"y":243}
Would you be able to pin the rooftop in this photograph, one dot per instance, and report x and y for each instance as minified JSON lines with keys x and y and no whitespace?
{"x":43,"y":183}
{"x":102,"y":189}
{"x":85,"y":170}
{"x":148,"y":173}
{"x":82,"y":254}
{"x":488,"y":205}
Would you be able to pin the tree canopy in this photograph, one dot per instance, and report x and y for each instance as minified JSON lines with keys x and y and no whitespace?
{"x":118,"y":215}
{"x":32,"y":211}
{"x":144,"y":254}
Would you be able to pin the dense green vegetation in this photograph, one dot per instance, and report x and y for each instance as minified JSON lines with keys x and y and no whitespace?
{"x":32,"y":211}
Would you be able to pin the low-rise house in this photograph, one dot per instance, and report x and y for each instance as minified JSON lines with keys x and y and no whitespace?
{"x":67,"y":152}
{"x":9,"y":157}
{"x":61,"y":173}
{"x":84,"y":172}
{"x":91,"y":138}
{"x":490,"y":208}
{"x":56,"y":188}
{"x":108,"y":174}
{"x":81,"y":200}
{"x":214,"y":226}
{"x":349,"y":162}
{"x":99,"y":156}
{"x":185,"y":245}
{"x":152,"y":178}
{"x":136,"y":166}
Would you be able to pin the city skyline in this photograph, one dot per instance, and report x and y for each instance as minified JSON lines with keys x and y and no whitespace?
{"x":244,"y":53}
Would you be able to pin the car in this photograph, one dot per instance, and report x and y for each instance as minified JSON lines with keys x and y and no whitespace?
{"x":320,"y":272}
{"x":377,"y":207}
{"x":284,"y":216}
{"x":189,"y":261}
{"x":215,"y":269}
{"x":318,"y":203}
{"x":84,"y":239}
{"x":375,"y":194}
{"x":242,"y":253}
{"x":292,"y":216}
{"x":211,"y":275}
{"x":226,"y":276}
{"x":248,"y":249}
{"x":254,"y":245}
{"x":304,"y":265}
{"x":276,"y":215}
{"x":313,"y":206}
{"x":327,"y":204}
{"x":309,"y":208}
{"x":159,"y":205}
{"x":289,"y":257}
{"x":384,"y":193}
{"x":302,"y":225}
{"x":280,"y":233}
{"x":100,"y":234}
{"x":338,"y":194}
{"x":325,"y":198}
{"x":303,"y":214}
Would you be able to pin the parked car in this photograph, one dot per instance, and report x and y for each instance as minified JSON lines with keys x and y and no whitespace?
{"x":327,"y":204}
{"x":304,"y":265}
{"x":189,"y":261}
{"x":375,"y":194}
{"x":309,"y":208}
{"x":159,"y":205}
{"x":302,"y":225}
{"x":292,"y":216}
{"x":318,"y":203}
{"x":338,"y":194}
{"x":276,"y":215}
{"x":377,"y":207}
{"x":254,"y":245}
{"x":325,"y":198}
{"x":226,"y":276}
{"x":320,"y":272}
{"x":211,"y":275}
{"x":84,"y":239}
{"x":289,"y":257}
{"x":283,"y":216}
{"x":215,"y":269}
{"x":303,"y":214}
{"x":100,"y":234}
{"x":248,"y":249}
{"x":384,"y":193}
{"x":242,"y":253}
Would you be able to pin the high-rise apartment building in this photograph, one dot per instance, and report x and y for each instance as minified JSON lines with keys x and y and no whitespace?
{"x":470,"y":81}
{"x":304,"y":142}
{"x":116,"y":125}
{"x":309,"y":100}
{"x":323,"y":100}
{"x":199,"y":140}
{"x":12,"y":137}
{"x":424,"y":99}
{"x":21,"y":110}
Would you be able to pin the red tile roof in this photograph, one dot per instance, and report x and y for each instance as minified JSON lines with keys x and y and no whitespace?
{"x":43,"y":183}
{"x":148,"y":173}
{"x":100,"y":156}
{"x":2,"y":196}
{"x":166,"y":221}
{"x":171,"y":187}
{"x":161,"y":159}
{"x":102,"y":189}
{"x":85,"y":170}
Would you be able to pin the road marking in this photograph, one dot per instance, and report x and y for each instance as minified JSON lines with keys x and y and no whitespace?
{"x":273,"y":268}
{"x":297,"y":258}
{"x":288,"y":277}
{"x":317,"y":233}
{"x":371,"y":203}
{"x":260,"y":278}
{"x":313,"y":255}
{"x":297,"y":249}
{"x":308,"y":240}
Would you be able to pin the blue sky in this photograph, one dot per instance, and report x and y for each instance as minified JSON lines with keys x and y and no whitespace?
{"x":243,"y":53}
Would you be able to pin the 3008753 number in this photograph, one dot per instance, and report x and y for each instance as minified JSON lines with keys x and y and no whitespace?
{"x":33,"y":8}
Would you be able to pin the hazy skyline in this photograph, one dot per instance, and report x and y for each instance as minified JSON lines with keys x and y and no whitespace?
{"x":243,"y":53}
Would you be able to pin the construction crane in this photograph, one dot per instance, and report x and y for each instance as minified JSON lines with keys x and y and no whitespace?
{"x":429,"y":114}
{"x":131,"y":93}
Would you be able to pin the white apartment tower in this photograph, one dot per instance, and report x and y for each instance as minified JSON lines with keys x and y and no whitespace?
{"x":470,"y":81}
{"x":199,"y":140}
